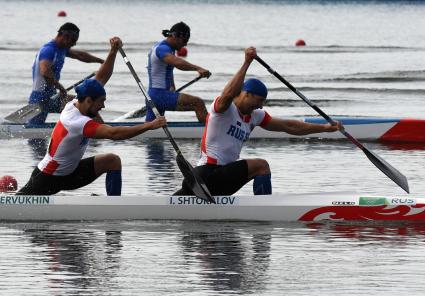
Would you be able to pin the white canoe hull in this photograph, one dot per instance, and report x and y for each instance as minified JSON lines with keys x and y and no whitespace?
{"x":374,"y":129}
{"x":296,"y":207}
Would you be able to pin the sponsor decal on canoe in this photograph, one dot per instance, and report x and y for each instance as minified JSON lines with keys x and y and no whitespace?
{"x":24,"y":200}
{"x":343,"y":203}
{"x":379,"y":201}
{"x":372,"y":201}
{"x":191,"y":200}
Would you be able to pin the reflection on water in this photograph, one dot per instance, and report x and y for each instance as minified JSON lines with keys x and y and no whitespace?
{"x":386,"y":231}
{"x":82,"y":260}
{"x":213,"y":258}
{"x":405,"y":146}
{"x":160,"y":164}
{"x":231,"y":260}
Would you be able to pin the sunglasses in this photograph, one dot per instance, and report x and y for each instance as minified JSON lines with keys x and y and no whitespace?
{"x":184,"y":35}
{"x":73,"y":35}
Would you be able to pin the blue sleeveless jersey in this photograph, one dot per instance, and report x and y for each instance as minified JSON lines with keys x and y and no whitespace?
{"x":40,"y":90}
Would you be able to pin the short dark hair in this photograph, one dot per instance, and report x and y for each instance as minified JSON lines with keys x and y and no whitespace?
{"x":69,"y":27}
{"x":180,"y":30}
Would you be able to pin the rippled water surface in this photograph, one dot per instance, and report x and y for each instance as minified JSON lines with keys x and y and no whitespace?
{"x":361,"y":59}
{"x":211,"y":258}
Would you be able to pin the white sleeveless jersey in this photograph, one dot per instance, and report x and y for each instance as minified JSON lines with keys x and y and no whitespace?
{"x":68,"y":142}
{"x":225,"y":133}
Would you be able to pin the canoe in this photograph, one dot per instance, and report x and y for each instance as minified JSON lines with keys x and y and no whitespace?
{"x":372,"y":129}
{"x":276,"y":207}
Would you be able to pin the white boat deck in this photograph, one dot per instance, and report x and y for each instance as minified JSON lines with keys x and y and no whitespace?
{"x":360,"y":128}
{"x":294,"y":207}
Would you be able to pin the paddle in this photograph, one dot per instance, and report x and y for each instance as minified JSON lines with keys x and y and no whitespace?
{"x":380,"y":163}
{"x":194,"y":181}
{"x":142,"y":111}
{"x":29,"y":111}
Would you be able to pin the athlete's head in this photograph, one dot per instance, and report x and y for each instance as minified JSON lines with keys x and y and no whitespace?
{"x":93,"y":93}
{"x":180,"y":33}
{"x":256,"y":93}
{"x":68,"y":34}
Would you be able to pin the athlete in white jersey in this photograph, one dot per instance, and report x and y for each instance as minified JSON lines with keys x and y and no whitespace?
{"x":63,"y":168}
{"x":232,"y":117}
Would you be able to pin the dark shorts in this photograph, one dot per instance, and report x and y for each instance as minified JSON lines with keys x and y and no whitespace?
{"x":220,"y":179}
{"x":44,"y":184}
{"x":164,"y":100}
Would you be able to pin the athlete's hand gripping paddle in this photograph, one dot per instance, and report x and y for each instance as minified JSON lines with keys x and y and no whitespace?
{"x":192,"y":178}
{"x":380,"y":163}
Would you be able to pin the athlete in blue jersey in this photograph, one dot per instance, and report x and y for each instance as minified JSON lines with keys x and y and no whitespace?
{"x":47,"y":67}
{"x":161,"y":63}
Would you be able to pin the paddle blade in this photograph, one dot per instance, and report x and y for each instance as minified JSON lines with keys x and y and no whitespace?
{"x":387,"y":169}
{"x":24,"y":114}
{"x":193,"y":179}
{"x":133,"y":114}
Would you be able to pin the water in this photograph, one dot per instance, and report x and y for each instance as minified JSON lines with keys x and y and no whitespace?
{"x":361,"y":59}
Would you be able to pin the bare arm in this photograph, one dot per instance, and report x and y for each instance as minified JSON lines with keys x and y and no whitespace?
{"x":107,"y":68}
{"x":84,"y":56}
{"x":299,"y":128}
{"x":105,"y":131}
{"x":184,"y":65}
{"x":234,"y":86}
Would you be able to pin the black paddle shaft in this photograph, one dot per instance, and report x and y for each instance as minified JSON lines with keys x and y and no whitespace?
{"x":148,"y":99}
{"x":380,"y":163}
{"x":195,"y":182}
{"x":142,"y":111}
{"x":188,"y":84}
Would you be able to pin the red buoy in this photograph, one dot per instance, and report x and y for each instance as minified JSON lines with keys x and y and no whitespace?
{"x":182,"y":52}
{"x":62,"y":13}
{"x":8,"y":183}
{"x":300,"y":42}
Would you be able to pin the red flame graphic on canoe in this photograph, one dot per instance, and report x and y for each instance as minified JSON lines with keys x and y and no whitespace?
{"x":379,"y":213}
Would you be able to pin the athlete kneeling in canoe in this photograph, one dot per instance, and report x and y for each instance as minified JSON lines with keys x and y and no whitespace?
{"x":232,"y":117}
{"x":161,"y":63}
{"x":63,"y":167}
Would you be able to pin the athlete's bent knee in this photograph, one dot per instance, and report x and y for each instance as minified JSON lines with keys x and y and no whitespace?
{"x":114,"y":161}
{"x":257,"y":166}
{"x":107,"y":162}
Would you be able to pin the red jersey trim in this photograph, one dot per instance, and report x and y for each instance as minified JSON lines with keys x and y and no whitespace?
{"x":204,"y":136}
{"x":215,"y":104}
{"x":51,"y":167}
{"x":58,"y":134}
{"x":266,"y":119}
{"x":211,"y":160}
{"x":89,"y":129}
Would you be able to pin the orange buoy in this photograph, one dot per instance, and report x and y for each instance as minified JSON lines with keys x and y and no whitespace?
{"x":8,"y":183}
{"x":182,"y":52}
{"x":62,"y":13}
{"x":300,"y":42}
